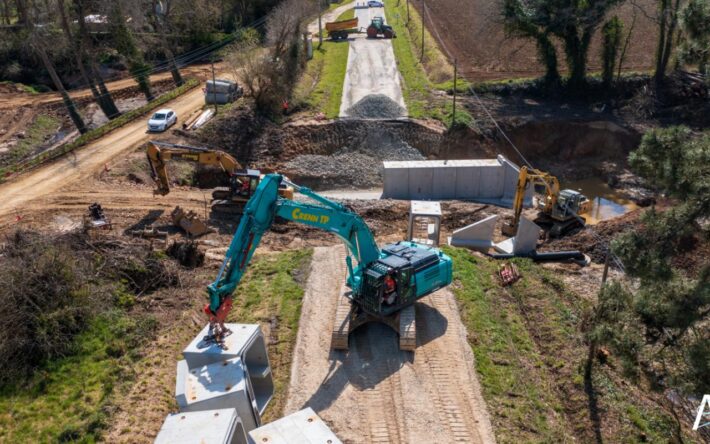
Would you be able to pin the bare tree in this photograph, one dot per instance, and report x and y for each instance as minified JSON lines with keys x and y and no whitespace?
{"x":161,"y":14}
{"x":104,"y":100}
{"x":37,"y":39}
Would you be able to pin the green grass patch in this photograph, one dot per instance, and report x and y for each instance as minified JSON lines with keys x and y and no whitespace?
{"x":272,"y":294}
{"x":321,"y":86}
{"x":347,"y":15}
{"x":419,"y":74}
{"x":530,"y":354}
{"x":67,"y":399}
{"x":99,"y":132}
{"x":35,"y":135}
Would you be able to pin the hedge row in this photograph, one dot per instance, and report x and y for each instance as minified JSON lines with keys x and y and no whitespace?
{"x":90,"y":136}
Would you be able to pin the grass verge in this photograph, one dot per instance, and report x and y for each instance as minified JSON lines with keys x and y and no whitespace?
{"x":271,"y":295}
{"x":347,"y":15}
{"x":66,"y":401}
{"x":321,"y":86}
{"x":35,"y":135}
{"x":418,"y":76}
{"x":530,"y":356}
{"x":99,"y":132}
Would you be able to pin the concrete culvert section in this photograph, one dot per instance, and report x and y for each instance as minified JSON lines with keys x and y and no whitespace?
{"x":375,"y":393}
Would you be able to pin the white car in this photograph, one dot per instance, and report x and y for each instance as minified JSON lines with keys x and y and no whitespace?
{"x":162,"y":120}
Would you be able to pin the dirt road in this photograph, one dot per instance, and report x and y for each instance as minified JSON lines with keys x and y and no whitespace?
{"x":375,"y":393}
{"x":372,"y":68}
{"x":8,"y":100}
{"x":73,"y":167}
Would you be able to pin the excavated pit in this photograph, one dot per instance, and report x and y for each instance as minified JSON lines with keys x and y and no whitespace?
{"x":349,"y":154}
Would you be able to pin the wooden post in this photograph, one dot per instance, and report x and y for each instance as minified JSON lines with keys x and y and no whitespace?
{"x":453,"y":113}
{"x":214,"y":87}
{"x":606,"y":267}
{"x":421,"y":57}
{"x":320,"y":26}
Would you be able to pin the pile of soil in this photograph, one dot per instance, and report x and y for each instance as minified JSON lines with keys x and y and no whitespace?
{"x":376,"y":106}
{"x":352,"y":167}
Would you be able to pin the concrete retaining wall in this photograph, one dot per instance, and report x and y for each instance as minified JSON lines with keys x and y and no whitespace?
{"x":482,"y":180}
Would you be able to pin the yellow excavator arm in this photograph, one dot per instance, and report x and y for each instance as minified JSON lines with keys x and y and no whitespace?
{"x":159,"y":153}
{"x":532,"y":176}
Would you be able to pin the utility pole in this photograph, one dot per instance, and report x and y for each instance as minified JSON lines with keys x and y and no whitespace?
{"x":214,"y":87}
{"x":453,"y":113}
{"x":421,"y":57}
{"x":320,"y":26}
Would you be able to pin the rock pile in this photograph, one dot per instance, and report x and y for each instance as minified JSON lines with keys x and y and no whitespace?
{"x":376,"y":106}
{"x":352,"y":167}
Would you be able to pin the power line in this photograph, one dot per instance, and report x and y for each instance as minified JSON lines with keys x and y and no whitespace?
{"x":613,"y":256}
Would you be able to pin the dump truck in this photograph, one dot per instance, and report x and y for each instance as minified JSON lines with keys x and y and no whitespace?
{"x":342,"y":29}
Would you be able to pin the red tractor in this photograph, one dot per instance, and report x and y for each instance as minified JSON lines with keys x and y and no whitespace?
{"x":377,"y":27}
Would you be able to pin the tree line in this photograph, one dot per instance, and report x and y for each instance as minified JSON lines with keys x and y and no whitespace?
{"x":683,"y":31}
{"x":77,"y":37}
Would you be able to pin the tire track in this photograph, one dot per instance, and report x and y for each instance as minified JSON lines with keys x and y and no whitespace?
{"x":451,"y":398}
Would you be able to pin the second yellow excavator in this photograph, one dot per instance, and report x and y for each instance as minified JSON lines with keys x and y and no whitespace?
{"x":231,"y":199}
{"x":559,"y":210}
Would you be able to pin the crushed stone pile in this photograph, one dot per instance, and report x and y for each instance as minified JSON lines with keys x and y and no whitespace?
{"x":352,"y":167}
{"x":376,"y":106}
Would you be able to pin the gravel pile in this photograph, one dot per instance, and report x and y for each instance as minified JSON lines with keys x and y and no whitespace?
{"x":376,"y":106}
{"x":352,"y":167}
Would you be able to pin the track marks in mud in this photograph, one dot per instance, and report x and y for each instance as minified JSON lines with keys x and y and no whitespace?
{"x":376,"y":393}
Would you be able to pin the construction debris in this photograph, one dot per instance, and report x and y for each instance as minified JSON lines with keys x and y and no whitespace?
{"x":95,"y":218}
{"x":190,"y":222}
{"x":187,"y":253}
{"x":149,"y":232}
{"x":508,"y":274}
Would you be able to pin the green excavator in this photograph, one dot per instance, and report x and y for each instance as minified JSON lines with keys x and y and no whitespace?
{"x":382,"y":284}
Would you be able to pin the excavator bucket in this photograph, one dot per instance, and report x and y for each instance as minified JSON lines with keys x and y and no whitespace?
{"x":188,"y":221}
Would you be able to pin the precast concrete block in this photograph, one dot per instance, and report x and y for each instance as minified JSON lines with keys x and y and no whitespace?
{"x":444,"y":182}
{"x":395,"y":180}
{"x":245,"y":342}
{"x":526,"y":237}
{"x":524,"y":242}
{"x":302,"y":427}
{"x":468,"y":182}
{"x":491,"y":182}
{"x":477,"y":236}
{"x":222,"y":426}
{"x":220,"y":385}
{"x":421,"y":182}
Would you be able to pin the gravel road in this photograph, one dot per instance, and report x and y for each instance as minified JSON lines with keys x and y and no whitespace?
{"x":375,"y":393}
{"x":372,"y":70}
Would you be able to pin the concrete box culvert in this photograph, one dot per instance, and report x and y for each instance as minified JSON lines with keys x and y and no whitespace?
{"x":223,"y":426}
{"x":247,"y":343}
{"x":302,"y":427}
{"x":221,"y":385}
{"x":492,"y":181}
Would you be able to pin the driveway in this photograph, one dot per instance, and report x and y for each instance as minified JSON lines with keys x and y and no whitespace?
{"x":372,"y":69}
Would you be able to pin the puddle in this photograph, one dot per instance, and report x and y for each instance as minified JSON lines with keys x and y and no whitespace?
{"x":607,"y":202}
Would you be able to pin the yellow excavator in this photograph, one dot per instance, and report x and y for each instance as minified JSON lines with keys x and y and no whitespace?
{"x":559,"y":210}
{"x":229,"y":200}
